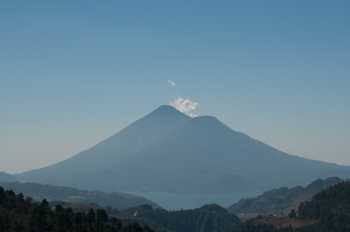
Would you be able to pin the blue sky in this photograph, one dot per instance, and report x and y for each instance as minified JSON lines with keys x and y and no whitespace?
{"x":73,"y":73}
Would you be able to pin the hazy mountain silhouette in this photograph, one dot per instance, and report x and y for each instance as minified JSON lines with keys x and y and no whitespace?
{"x":86,"y":167}
{"x":5,"y":177}
{"x":167,"y":151}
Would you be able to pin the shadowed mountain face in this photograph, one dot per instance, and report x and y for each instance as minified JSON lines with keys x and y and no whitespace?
{"x":166,"y":151}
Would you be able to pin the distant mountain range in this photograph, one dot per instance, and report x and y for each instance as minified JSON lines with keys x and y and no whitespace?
{"x":5,"y":177}
{"x":51,"y":193}
{"x":280,"y":201}
{"x":167,"y":151}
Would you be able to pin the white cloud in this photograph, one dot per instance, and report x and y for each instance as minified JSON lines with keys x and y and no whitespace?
{"x":186,"y":106}
{"x":172,"y":83}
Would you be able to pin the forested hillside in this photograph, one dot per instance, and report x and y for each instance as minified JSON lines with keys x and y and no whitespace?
{"x":282,"y":200}
{"x":209,"y":218}
{"x":20,"y":214}
{"x":329,"y":209}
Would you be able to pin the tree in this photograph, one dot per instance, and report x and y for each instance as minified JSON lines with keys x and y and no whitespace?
{"x":292,"y":214}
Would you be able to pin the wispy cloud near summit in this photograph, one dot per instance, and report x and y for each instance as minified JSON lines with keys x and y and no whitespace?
{"x":185,"y":105}
{"x":172,"y":83}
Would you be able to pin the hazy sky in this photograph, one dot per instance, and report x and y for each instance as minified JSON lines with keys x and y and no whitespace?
{"x":72,"y":74}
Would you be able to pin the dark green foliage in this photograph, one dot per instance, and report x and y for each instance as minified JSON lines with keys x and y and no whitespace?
{"x":292,"y":214}
{"x":330,"y":207}
{"x":208,"y":218}
{"x":18,"y":214}
{"x":250,"y":227}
